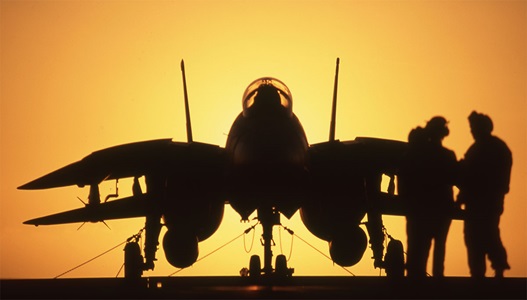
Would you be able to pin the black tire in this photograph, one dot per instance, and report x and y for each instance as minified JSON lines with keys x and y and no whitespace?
{"x":281,"y":265}
{"x":133,"y":261}
{"x":394,"y":260}
{"x":255,"y":267}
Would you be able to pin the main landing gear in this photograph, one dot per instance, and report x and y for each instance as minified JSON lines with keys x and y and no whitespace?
{"x":133,"y":260}
{"x":268,"y":217}
{"x":394,"y":259}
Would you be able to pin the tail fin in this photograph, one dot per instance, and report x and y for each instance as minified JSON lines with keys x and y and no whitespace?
{"x":187,"y":109}
{"x":334,"y":105}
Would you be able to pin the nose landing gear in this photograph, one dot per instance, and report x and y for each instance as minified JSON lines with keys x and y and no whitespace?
{"x":269,"y":217}
{"x":281,"y":269}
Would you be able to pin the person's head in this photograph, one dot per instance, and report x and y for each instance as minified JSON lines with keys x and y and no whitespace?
{"x":267,"y":95}
{"x":480,"y":125}
{"x":437,"y":128}
{"x":417,"y":136}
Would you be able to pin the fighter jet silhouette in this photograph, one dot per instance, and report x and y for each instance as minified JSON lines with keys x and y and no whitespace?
{"x":267,"y":166}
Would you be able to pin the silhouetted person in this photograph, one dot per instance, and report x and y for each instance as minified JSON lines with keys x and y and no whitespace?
{"x":411,"y":188}
{"x":426,"y":180}
{"x":485,"y":177}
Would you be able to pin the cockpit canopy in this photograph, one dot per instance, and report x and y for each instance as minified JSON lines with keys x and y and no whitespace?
{"x":267,"y":91}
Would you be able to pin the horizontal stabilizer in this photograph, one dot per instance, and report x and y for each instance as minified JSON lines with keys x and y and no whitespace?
{"x":130,"y":207}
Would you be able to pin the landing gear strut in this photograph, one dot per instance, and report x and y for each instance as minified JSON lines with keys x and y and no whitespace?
{"x":268,"y":217}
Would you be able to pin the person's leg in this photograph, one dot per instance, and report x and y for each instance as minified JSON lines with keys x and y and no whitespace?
{"x":440,"y":237}
{"x":418,"y":248}
{"x":496,"y":250}
{"x":476,"y":248}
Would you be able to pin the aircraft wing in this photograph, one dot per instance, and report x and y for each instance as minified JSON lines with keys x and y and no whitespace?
{"x":130,"y":207}
{"x":155,"y":157}
{"x":362,"y":155}
{"x":365,"y":155}
{"x":382,"y":155}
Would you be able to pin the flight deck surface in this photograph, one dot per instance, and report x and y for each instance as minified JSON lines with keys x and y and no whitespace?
{"x":301,"y":287}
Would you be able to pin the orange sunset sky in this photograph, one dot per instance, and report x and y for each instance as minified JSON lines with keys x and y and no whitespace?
{"x":79,"y":76}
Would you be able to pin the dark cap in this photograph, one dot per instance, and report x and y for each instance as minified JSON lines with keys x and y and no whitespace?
{"x":480,"y":122}
{"x":417,"y":136}
{"x":437,"y":126}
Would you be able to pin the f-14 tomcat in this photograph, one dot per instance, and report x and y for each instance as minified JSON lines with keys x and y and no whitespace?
{"x":267,"y":166}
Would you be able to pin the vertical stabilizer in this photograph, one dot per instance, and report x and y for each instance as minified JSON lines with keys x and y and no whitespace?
{"x":187,"y":109}
{"x":334,"y":105}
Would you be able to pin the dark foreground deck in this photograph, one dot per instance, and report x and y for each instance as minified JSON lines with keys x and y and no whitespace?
{"x":238,"y":287}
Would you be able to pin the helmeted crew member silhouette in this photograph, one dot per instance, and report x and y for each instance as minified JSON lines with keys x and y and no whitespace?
{"x":427,"y":176}
{"x":484,"y":181}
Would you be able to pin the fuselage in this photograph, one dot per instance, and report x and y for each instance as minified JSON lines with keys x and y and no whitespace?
{"x":269,"y":169}
{"x":266,"y":151}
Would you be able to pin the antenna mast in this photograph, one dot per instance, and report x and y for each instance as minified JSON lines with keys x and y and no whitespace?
{"x":334,"y":105}
{"x":187,"y":109}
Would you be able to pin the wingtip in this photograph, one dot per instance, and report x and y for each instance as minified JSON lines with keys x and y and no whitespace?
{"x":35,"y":185}
{"x":27,"y":186}
{"x":31,"y":222}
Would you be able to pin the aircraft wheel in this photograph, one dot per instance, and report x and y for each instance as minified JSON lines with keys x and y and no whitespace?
{"x":255,"y":267}
{"x":394,"y":260}
{"x":281,"y":265}
{"x":133,"y":261}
